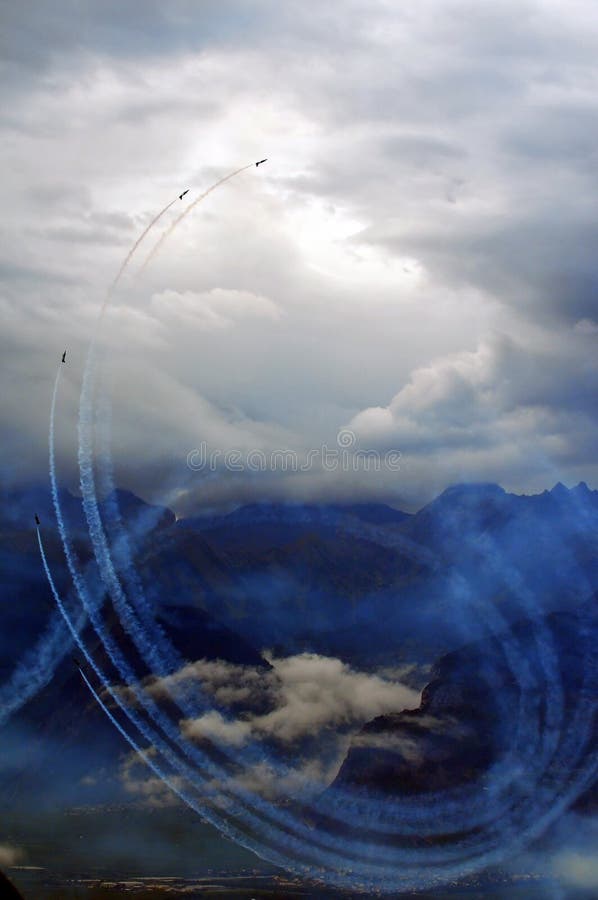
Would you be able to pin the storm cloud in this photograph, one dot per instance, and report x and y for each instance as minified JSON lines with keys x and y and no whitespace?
{"x":415,"y":261}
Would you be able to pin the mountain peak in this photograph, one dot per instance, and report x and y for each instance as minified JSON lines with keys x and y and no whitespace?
{"x":581,"y":489}
{"x":470,"y":491}
{"x":476,"y":487}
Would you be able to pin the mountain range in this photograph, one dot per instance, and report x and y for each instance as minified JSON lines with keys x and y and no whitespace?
{"x":383,"y":592}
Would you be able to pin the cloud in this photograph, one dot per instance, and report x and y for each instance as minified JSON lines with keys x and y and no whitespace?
{"x":431,"y":194}
{"x":308,"y":694}
{"x":305,"y":779}
{"x":319,"y":692}
{"x":228,"y":684}
{"x":493,"y":413}
{"x":10,"y":855}
{"x":573,"y":860}
{"x":303,"y":710}
{"x":213,"y":309}
{"x":586,"y":326}
{"x":215,"y":727}
{"x":147,"y":788}
{"x":566,"y":855}
{"x":577,"y":869}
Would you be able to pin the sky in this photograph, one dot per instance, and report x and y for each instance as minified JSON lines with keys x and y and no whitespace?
{"x":413,"y":271}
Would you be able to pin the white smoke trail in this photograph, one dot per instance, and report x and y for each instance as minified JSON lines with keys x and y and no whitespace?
{"x":96,"y":528}
{"x":137,"y":721}
{"x":97,"y":535}
{"x":131,"y":252}
{"x":91,"y":509}
{"x":128,"y":620}
{"x":216,"y":794}
{"x":512,"y":827}
{"x":90,"y":500}
{"x":156,"y":249}
{"x":128,"y":676}
{"x":36,"y":668}
{"x":38,"y":665}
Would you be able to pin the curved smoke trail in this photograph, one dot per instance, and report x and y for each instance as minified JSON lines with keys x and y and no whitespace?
{"x":92,"y":511}
{"x":124,"y":671}
{"x":144,"y":646}
{"x":512,"y":829}
{"x":135,"y":719}
{"x":518,"y":666}
{"x":39,"y":663}
{"x":156,"y":742}
{"x":527,"y":789}
{"x":156,"y":249}
{"x":139,"y":240}
{"x":98,"y":539}
{"x":36,"y":668}
{"x":131,"y":680}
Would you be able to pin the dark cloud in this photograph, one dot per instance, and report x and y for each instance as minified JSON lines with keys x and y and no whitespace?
{"x":541,"y":263}
{"x":15,"y":274}
{"x":499,"y":412}
{"x":429,"y":186}
{"x":37,"y":35}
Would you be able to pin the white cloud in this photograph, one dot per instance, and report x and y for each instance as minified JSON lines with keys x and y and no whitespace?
{"x":319,"y":692}
{"x":213,"y":309}
{"x":213,"y":726}
{"x":586,"y":326}
{"x":307,"y":694}
{"x":578,"y":869}
{"x":304,"y":710}
{"x":10,"y":855}
{"x":139,"y":781}
{"x":494,"y":413}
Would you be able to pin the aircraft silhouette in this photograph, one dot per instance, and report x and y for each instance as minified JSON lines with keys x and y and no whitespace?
{"x":37,"y":521}
{"x":183,"y":194}
{"x":261,"y":161}
{"x":64,"y":356}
